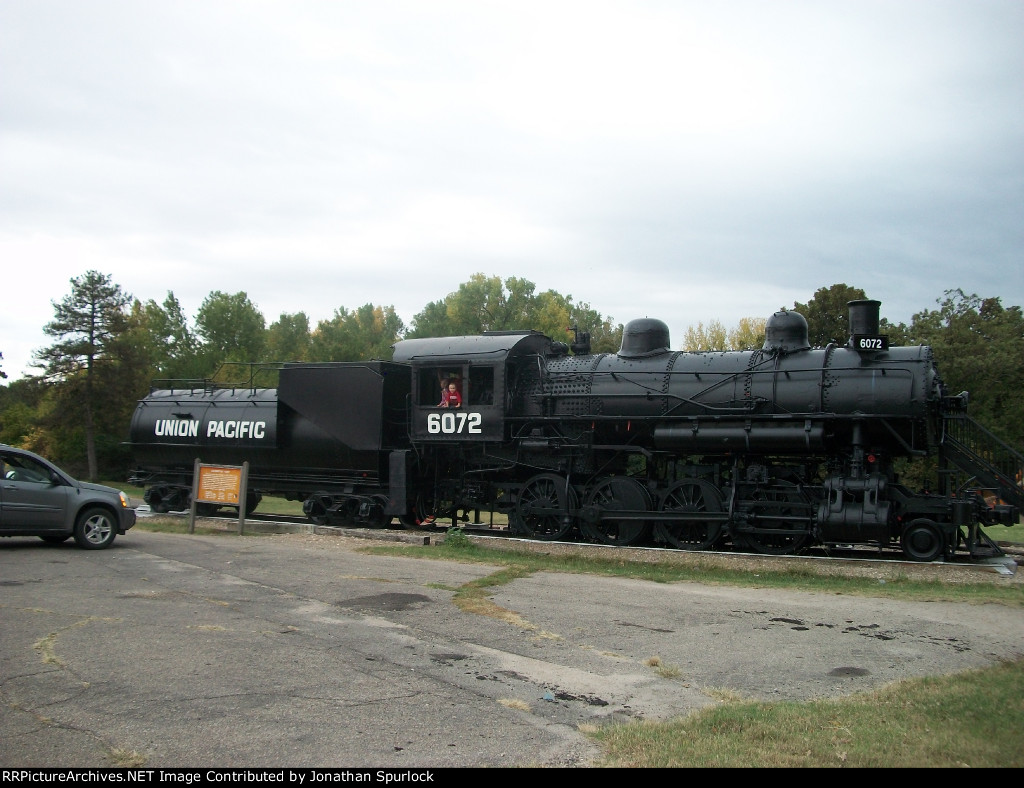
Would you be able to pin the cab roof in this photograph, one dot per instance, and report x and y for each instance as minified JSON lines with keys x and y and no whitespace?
{"x":489,"y":346}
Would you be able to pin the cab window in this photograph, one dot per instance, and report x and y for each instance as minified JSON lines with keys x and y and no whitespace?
{"x":481,"y":385}
{"x":432,"y":380}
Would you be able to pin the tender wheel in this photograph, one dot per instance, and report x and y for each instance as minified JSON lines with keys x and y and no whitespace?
{"x":252,"y":500}
{"x":544,"y":506}
{"x":317,"y":508}
{"x":922,"y":541}
{"x":376,"y":518}
{"x":157,"y":502}
{"x":690,"y":495}
{"x":95,"y":529}
{"x":787,"y":537}
{"x":54,"y":538}
{"x":616,"y":493}
{"x":164,"y":499}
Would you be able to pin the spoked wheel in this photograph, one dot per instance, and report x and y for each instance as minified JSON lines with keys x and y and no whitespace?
{"x":686,"y":497}
{"x":544,"y":506}
{"x":789,"y":536}
{"x":616,"y":493}
{"x":428,"y":513}
{"x":95,"y":529}
{"x":410,"y":520}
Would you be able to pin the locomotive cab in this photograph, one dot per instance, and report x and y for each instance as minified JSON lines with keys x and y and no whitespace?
{"x":473,"y":415}
{"x":483,"y":369}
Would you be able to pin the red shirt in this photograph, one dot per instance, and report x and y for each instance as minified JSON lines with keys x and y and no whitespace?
{"x":451,"y":399}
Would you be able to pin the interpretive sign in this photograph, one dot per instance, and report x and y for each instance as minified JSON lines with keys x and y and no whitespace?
{"x":219,"y":485}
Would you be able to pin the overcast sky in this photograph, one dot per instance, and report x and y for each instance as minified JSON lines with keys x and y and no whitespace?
{"x":690,"y":161}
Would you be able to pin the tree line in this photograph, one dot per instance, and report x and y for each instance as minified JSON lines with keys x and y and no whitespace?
{"x":109,"y":347}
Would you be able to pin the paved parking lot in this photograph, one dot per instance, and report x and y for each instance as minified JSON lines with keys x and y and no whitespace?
{"x":226,"y":651}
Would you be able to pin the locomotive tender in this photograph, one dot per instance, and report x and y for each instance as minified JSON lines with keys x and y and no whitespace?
{"x":771,"y":450}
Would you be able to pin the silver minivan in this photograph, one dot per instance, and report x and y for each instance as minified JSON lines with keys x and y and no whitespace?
{"x":39,"y":499}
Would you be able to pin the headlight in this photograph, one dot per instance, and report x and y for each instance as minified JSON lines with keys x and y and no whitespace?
{"x":124,"y":499}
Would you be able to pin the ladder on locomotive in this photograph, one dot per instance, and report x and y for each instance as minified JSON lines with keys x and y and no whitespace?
{"x":992,"y":464}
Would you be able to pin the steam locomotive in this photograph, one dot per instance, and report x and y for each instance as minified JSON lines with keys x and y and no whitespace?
{"x":772,"y":450}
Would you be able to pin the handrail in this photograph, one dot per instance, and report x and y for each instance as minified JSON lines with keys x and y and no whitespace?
{"x":980,"y":453}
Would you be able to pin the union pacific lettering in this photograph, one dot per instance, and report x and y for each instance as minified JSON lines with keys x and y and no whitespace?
{"x":189,"y":428}
{"x":236,"y":429}
{"x":179,"y":428}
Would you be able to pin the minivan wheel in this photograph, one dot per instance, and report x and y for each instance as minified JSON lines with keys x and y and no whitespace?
{"x":95,"y":529}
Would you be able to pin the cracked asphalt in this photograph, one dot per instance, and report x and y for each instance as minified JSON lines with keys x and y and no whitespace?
{"x":174,"y":650}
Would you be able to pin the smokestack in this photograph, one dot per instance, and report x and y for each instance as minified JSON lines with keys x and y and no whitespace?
{"x":863,"y":317}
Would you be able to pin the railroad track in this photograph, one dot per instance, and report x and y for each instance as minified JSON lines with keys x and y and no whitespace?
{"x":1007,"y":564}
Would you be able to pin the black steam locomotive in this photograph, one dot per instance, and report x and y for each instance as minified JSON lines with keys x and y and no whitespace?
{"x":771,"y":450}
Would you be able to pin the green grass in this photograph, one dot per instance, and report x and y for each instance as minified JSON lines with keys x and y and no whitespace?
{"x":457,"y":546}
{"x":970,"y":719}
{"x":1001,"y":533}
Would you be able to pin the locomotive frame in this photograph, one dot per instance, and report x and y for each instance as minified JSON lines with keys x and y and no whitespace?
{"x":771,"y":450}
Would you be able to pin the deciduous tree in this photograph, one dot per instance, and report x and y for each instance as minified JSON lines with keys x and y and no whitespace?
{"x":828,"y":314}
{"x":367,"y":333}
{"x":702,"y":338}
{"x":748,"y":334}
{"x":979,"y":347}
{"x":492,"y":304}
{"x":232,"y":329}
{"x":288,"y":338}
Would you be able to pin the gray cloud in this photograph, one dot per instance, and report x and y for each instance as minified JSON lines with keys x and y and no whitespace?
{"x":683,"y":160}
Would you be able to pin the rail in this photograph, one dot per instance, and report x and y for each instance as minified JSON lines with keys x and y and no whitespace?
{"x":230,"y":375}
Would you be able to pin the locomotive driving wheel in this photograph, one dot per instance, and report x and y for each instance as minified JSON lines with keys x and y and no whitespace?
{"x":780,"y":536}
{"x":543,"y":507}
{"x":688,"y":496}
{"x":429,"y":514}
{"x":616,"y":493}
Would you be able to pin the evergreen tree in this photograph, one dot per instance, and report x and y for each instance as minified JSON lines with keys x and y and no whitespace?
{"x":87,"y":324}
